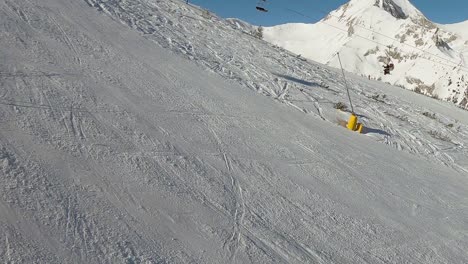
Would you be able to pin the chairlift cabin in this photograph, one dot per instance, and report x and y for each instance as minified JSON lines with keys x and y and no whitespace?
{"x":388,"y":64}
{"x":261,"y":6}
{"x":388,"y":68}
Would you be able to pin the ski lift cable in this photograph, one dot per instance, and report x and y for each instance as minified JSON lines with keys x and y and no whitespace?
{"x":384,"y":45}
{"x":375,"y":32}
{"x":408,"y":45}
{"x":456,"y":64}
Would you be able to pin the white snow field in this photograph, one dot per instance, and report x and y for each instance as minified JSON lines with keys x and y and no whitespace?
{"x":152,"y":131}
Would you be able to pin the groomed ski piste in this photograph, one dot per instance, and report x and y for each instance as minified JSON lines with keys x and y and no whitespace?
{"x":150,"y":131}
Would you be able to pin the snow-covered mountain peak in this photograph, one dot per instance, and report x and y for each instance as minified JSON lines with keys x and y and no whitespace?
{"x":369,"y":34}
{"x":398,"y":9}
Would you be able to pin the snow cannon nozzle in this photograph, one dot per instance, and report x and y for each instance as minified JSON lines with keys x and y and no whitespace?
{"x":353,"y":124}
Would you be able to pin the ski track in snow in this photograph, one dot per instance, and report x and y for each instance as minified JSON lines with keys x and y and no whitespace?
{"x":108,"y":154}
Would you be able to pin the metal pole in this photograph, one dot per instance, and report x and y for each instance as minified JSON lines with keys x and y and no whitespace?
{"x":346,"y":84}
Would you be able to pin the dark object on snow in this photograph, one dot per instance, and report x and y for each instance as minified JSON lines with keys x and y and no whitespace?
{"x":388,"y":68}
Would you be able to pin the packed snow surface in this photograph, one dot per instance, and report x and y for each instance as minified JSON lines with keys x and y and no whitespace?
{"x":152,"y":131}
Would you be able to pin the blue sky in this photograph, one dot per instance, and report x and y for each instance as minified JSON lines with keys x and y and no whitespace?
{"x":439,"y":11}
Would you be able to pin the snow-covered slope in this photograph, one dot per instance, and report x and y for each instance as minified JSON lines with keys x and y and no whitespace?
{"x":428,"y":58}
{"x":459,"y":28}
{"x":149,"y":131}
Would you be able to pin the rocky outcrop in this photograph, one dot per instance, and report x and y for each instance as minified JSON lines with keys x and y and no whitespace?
{"x":392,"y":8}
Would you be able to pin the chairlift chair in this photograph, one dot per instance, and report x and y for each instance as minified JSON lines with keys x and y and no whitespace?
{"x":261,"y":6}
{"x":388,"y":68}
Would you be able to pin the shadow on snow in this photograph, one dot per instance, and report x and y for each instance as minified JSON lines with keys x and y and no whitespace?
{"x":306,"y":83}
